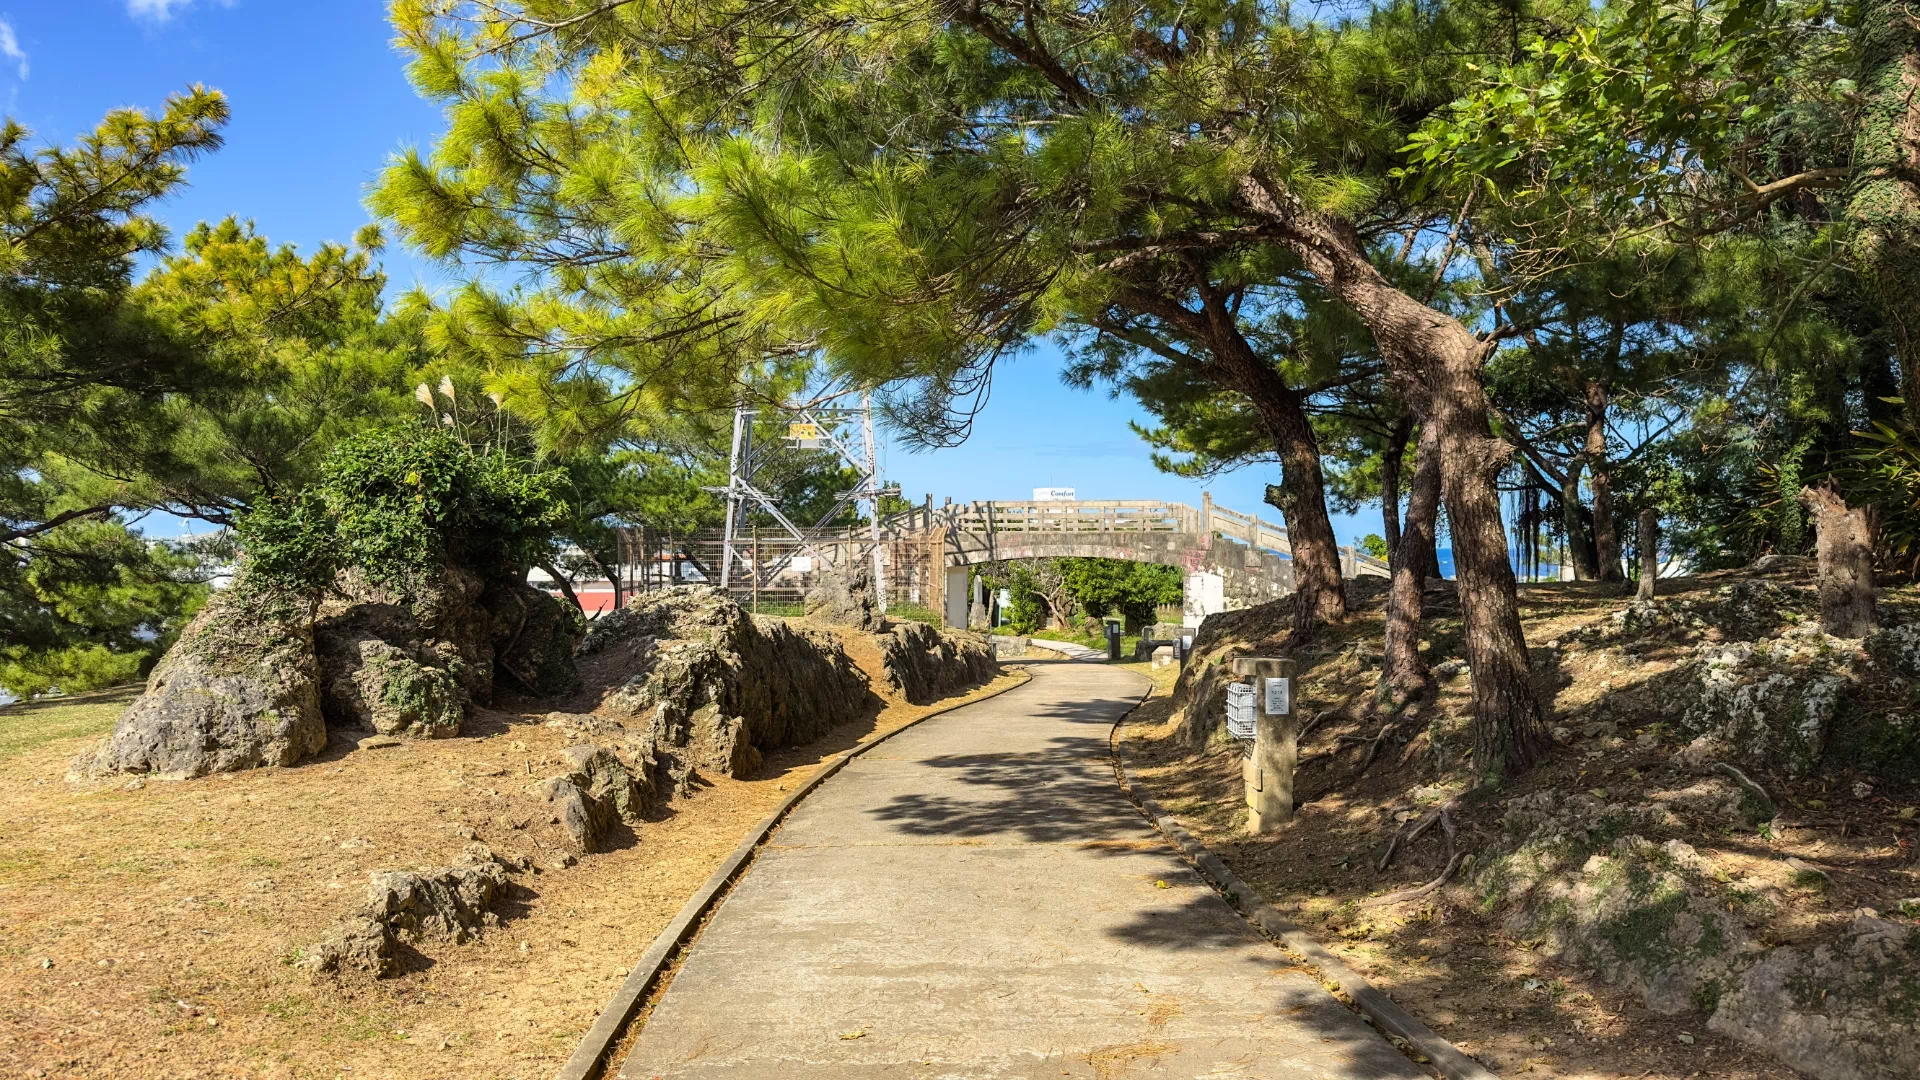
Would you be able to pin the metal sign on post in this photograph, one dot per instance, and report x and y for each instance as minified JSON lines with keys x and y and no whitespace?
{"x":1279,"y":696}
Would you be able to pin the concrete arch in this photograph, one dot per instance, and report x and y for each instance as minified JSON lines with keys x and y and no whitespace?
{"x":1220,"y":575}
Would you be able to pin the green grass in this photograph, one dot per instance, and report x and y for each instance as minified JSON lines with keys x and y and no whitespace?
{"x":907,"y":611}
{"x":1091,"y":641}
{"x":29,"y":725}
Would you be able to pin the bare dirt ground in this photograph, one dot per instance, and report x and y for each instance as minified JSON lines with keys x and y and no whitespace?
{"x":1445,"y":957}
{"x":154,"y":929}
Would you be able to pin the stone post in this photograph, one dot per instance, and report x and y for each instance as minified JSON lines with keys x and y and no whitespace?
{"x":1269,"y":772}
{"x":1206,"y":514}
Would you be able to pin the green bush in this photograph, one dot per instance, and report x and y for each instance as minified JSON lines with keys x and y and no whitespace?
{"x":403,"y":503}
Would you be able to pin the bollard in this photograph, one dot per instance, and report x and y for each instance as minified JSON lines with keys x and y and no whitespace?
{"x":1113,"y":640}
{"x":1269,"y":771}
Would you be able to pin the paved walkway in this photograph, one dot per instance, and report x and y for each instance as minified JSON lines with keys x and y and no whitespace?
{"x":976,"y":899}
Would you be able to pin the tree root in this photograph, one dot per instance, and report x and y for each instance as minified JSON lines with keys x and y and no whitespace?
{"x":1750,"y":786}
{"x":1322,"y":715}
{"x":1406,"y":835}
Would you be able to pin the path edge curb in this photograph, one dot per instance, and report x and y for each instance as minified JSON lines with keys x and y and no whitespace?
{"x":1386,"y":1014}
{"x":589,"y":1057}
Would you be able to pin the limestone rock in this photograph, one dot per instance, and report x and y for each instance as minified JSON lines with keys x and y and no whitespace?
{"x":720,"y":744}
{"x":1845,"y":1010}
{"x":357,"y":944}
{"x":237,"y":691}
{"x":450,"y":903}
{"x":404,"y":658}
{"x":406,"y":908}
{"x":376,"y":685}
{"x":585,"y":819}
{"x":597,"y":791}
{"x":1009,"y":645}
{"x":846,"y":597}
{"x":1773,"y":701}
{"x":534,"y":637}
{"x":714,"y":682}
{"x":925,"y":664}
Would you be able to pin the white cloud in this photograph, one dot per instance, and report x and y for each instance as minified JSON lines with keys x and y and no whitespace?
{"x":162,"y":10}
{"x":157,"y":10}
{"x":10,"y":47}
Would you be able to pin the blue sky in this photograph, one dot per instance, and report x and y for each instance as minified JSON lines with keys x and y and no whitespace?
{"x":320,"y":100}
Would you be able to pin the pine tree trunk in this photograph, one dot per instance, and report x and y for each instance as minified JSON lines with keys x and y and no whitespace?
{"x":1574,"y":524}
{"x":1606,"y":540}
{"x":613,"y":579}
{"x":1319,"y":593}
{"x":1390,"y":486}
{"x":1845,"y":547}
{"x":566,"y":585}
{"x":1320,"y":596}
{"x":1430,"y":349}
{"x":1885,"y":208}
{"x":1404,"y":675}
{"x":1649,"y":552}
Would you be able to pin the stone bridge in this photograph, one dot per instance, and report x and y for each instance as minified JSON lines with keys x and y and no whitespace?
{"x":1231,"y":560}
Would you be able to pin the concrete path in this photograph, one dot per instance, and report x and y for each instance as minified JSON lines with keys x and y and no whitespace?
{"x":975,"y":898}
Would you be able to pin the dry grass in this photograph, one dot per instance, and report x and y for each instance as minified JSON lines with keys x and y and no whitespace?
{"x":1443,"y":957}
{"x":153,"y":929}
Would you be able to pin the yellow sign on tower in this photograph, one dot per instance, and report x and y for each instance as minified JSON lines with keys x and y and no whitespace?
{"x":803,"y":431}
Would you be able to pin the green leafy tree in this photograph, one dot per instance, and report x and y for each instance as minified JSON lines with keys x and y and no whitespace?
{"x":908,"y":197}
{"x":295,"y":357}
{"x":1132,"y":589}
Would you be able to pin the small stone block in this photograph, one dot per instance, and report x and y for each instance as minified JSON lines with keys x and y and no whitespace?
{"x":379,"y":742}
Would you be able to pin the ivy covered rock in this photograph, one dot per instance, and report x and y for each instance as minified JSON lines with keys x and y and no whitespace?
{"x":406,"y":658}
{"x":379,"y":686}
{"x":239,"y":690}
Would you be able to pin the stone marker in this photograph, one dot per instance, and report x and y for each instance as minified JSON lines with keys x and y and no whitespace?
{"x":1163,"y":656}
{"x":1269,"y":771}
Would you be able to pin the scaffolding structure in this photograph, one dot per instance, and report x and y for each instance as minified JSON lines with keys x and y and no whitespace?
{"x":817,"y":426}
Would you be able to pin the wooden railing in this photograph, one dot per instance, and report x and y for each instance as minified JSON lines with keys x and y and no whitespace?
{"x":1114,"y":515}
{"x":1092,"y":515}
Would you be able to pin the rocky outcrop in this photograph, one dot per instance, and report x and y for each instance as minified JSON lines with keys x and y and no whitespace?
{"x":1759,"y":682}
{"x":239,"y":690}
{"x":924,"y":664}
{"x":258,"y":677}
{"x":378,"y":685}
{"x":534,"y":637}
{"x":1633,"y":910}
{"x":596,"y":792}
{"x":715,"y":686}
{"x":846,"y":597}
{"x":1772,"y":701}
{"x":1580,"y":876}
{"x":403,"y":909}
{"x":1846,"y":1010}
{"x":397,"y":648}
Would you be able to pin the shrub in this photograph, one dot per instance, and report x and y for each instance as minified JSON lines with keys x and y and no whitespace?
{"x":403,"y":503}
